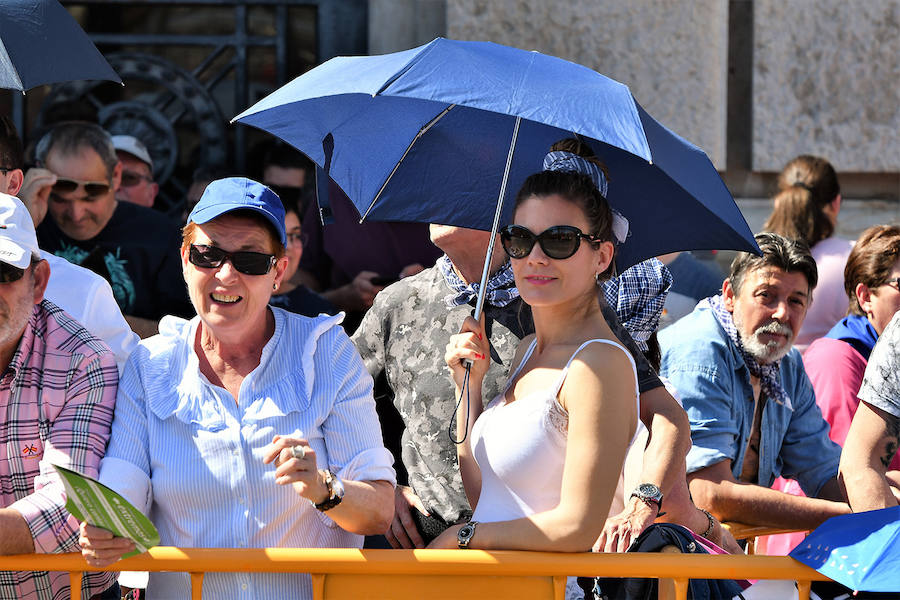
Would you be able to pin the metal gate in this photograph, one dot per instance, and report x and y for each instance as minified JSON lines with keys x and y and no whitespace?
{"x":182,"y":87}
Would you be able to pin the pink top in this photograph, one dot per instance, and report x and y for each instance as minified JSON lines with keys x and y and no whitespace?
{"x":830,"y":301}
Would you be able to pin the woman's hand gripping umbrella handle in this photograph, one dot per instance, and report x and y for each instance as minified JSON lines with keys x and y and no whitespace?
{"x":468,"y":356}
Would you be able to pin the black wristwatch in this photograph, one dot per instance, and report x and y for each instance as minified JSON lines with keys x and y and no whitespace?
{"x":464,"y":535}
{"x":649,"y":494}
{"x":335,"y":492}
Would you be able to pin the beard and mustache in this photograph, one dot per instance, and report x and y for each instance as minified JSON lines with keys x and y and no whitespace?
{"x":766,"y":352}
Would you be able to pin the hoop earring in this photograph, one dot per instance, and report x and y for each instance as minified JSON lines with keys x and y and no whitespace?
{"x":274,"y":287}
{"x":597,"y":278}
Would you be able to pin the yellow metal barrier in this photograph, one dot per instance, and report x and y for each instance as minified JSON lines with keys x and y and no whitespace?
{"x":404,"y":574}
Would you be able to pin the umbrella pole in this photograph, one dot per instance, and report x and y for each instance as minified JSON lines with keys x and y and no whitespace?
{"x":482,"y":289}
{"x":479,"y":305}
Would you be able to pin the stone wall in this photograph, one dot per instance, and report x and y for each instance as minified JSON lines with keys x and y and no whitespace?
{"x":672,"y":54}
{"x":826,"y":80}
{"x":752,"y":82}
{"x":396,"y":25}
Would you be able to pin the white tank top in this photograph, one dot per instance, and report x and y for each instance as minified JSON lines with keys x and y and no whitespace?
{"x":520,"y":448}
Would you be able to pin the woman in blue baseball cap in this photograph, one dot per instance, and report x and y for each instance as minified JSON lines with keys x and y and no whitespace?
{"x":247,"y":426}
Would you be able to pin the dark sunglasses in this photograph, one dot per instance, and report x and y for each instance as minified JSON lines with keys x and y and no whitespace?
{"x":9,"y":273}
{"x":131,"y":179}
{"x":92,"y":188}
{"x":894,"y":283}
{"x":248,"y":263}
{"x":558,"y":242}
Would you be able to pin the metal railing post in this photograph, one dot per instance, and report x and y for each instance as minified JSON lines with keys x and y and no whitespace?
{"x":196,"y":586}
{"x":75,"y":585}
{"x":318,"y":586}
{"x":681,"y":588}
{"x":559,"y":587}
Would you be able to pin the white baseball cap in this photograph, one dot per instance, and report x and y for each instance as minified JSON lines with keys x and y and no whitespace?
{"x":134,"y":147}
{"x":18,"y":242}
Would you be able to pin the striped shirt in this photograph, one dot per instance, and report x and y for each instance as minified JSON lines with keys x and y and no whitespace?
{"x":56,"y":399}
{"x":189,"y":456}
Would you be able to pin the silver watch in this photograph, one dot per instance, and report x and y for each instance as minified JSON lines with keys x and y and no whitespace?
{"x":464,"y":535}
{"x":649,"y":494}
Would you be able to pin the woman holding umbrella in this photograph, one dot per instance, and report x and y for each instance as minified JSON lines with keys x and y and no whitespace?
{"x":542,"y":461}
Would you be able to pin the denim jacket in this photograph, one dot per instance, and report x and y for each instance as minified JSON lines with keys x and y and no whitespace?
{"x":713,"y":382}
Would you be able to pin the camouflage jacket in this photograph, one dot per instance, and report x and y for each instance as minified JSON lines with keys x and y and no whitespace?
{"x":402,"y":340}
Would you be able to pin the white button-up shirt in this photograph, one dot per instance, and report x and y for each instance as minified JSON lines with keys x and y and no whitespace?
{"x":183,"y":451}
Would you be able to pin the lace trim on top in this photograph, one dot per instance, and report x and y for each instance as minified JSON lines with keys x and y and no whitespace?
{"x":556,"y":417}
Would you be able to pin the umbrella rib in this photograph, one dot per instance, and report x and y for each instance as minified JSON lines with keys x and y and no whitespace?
{"x":406,"y":68}
{"x":421,"y":132}
{"x":5,"y":59}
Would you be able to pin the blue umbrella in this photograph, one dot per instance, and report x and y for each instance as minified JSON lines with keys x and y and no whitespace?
{"x":860,"y":550}
{"x":433,"y":134}
{"x":40,"y":43}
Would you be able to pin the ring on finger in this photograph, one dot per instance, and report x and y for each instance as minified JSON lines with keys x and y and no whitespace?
{"x":298,"y":452}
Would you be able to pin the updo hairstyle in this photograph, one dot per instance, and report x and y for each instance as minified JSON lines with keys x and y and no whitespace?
{"x":806,"y":186}
{"x":577,"y":188}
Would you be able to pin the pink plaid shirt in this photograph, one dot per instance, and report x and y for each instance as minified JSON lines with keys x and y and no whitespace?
{"x":56,"y":406}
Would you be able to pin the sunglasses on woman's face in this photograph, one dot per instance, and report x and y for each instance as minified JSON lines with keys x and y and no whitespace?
{"x":93,"y":189}
{"x":558,"y":242}
{"x":248,"y":263}
{"x":10,"y":273}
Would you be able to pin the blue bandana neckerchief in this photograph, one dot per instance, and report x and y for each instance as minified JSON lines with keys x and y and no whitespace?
{"x":767,"y":373}
{"x":856,"y":331}
{"x":501,"y":287}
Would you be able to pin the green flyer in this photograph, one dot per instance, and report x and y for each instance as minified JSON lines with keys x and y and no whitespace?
{"x":91,"y":501}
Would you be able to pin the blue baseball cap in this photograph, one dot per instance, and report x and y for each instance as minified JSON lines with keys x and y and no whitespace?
{"x":239,"y":193}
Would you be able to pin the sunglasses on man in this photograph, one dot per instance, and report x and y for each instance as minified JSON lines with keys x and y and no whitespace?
{"x":131,"y":179}
{"x":9,"y":273}
{"x":248,"y":263}
{"x":558,"y":242}
{"x":93,"y":189}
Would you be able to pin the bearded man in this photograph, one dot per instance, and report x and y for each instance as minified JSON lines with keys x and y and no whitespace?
{"x":751,"y":406}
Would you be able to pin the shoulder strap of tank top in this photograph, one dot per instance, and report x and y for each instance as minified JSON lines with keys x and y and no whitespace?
{"x":565,"y":371}
{"x":518,"y":368}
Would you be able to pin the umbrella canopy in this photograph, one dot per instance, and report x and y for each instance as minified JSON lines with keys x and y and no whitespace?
{"x":860,"y":550}
{"x":40,"y":43}
{"x":424,"y":135}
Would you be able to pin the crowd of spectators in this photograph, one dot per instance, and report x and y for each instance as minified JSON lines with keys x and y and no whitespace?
{"x":263,"y":371}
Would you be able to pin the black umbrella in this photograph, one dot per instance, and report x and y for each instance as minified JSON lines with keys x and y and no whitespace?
{"x":40,"y":43}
